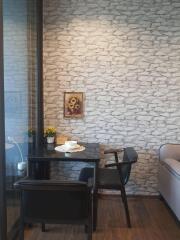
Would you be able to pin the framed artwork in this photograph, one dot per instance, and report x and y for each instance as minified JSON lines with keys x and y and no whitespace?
{"x":73,"y":104}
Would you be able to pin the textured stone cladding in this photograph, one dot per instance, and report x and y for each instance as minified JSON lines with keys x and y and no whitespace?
{"x":125,"y":56}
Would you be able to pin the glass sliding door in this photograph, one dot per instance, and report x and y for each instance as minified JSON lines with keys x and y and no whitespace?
{"x":16,"y":98}
{"x":2,"y":137}
{"x":20,"y":95}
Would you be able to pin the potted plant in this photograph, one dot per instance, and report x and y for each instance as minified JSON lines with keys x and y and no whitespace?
{"x":50,"y":133}
{"x":31,"y":134}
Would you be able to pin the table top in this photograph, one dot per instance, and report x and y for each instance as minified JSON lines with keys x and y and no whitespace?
{"x":46,"y":152}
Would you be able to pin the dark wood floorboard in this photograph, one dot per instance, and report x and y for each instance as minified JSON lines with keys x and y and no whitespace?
{"x":151,"y":220}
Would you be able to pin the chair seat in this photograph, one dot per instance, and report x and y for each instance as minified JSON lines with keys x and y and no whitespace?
{"x":109,"y":179}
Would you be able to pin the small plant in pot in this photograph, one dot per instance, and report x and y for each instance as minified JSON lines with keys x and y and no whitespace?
{"x":50,"y":133}
{"x":31,"y":135}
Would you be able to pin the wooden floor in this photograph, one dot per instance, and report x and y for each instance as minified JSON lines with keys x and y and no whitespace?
{"x":151,"y":220}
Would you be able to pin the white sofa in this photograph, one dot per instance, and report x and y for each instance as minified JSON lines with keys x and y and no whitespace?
{"x":169,"y":176}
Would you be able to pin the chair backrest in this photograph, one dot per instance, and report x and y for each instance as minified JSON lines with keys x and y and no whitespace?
{"x":169,"y":151}
{"x":130,"y":156}
{"x":54,"y":201}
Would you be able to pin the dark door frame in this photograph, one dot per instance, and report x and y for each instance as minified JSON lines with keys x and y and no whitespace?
{"x":39,"y":85}
{"x":3,"y":218}
{"x":39,"y":113}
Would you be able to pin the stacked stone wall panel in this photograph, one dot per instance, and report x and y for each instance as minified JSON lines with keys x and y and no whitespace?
{"x":125,"y":57}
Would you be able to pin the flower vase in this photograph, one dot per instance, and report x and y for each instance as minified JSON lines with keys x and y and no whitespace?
{"x":30,"y":139}
{"x":50,"y":139}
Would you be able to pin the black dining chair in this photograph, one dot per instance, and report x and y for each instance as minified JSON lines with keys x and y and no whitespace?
{"x":115,"y":178}
{"x":47,"y":201}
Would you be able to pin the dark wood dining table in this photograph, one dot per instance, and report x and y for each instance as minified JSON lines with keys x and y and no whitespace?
{"x":40,"y":158}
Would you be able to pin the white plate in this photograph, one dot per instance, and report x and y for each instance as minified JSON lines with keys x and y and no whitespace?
{"x":70,"y":147}
{"x":64,"y":148}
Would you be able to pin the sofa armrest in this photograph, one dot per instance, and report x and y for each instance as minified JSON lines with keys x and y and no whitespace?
{"x":169,"y":151}
{"x":172,"y":165}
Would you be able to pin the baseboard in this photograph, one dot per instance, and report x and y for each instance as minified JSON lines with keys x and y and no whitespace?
{"x":157,"y":196}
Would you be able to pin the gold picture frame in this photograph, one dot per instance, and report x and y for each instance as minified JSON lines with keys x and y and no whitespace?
{"x":73,"y":104}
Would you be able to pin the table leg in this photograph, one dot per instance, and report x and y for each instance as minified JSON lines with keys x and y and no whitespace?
{"x":95,"y":199}
{"x":39,"y":170}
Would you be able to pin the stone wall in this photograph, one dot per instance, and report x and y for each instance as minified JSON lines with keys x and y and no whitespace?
{"x":125,"y":56}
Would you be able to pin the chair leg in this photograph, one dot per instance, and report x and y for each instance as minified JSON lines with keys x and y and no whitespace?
{"x":89,"y":231}
{"x":86,"y":228}
{"x":43,"y":228}
{"x":21,"y":233}
{"x":30,"y":225}
{"x":124,"y":199}
{"x":89,"y":225}
{"x":22,"y":223}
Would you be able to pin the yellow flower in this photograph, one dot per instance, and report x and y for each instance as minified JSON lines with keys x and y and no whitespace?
{"x":50,"y":132}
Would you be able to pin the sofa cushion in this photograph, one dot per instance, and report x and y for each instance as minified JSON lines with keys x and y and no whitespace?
{"x":173,"y":165}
